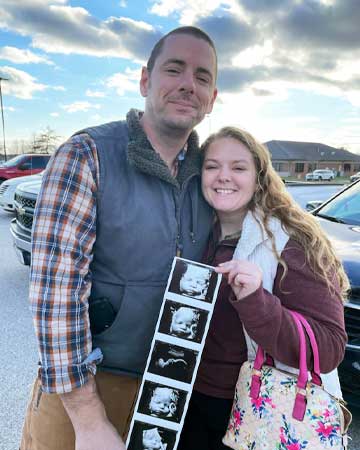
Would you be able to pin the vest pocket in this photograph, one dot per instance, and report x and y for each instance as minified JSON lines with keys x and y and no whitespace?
{"x":102,"y":315}
{"x":126,"y":343}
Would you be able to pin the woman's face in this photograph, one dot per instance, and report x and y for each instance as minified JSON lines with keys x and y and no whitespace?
{"x":229,"y":177}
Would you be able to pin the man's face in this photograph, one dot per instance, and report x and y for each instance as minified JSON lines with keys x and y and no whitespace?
{"x":181,"y":87}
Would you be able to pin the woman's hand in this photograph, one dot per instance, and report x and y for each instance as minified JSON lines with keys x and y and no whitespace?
{"x":243,"y":276}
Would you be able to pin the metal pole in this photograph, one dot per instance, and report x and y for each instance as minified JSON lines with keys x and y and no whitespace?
{"x":2,"y":115}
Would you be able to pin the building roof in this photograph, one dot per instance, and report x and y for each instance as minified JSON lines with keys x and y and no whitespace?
{"x":308,"y":151}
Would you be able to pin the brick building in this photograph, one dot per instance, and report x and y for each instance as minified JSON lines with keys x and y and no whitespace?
{"x":296,"y":159}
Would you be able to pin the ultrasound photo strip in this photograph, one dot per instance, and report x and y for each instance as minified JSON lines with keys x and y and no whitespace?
{"x":174,"y":357}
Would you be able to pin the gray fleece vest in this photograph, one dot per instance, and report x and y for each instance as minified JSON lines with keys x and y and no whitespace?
{"x":144,"y":216}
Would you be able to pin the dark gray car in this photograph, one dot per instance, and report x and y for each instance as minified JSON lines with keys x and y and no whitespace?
{"x":340,"y":219}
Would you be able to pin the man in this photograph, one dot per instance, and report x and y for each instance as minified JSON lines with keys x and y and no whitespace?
{"x":117,"y":203}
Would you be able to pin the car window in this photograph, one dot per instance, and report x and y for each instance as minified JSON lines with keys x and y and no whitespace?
{"x":39,"y":162}
{"x":345,"y":207}
{"x":14,"y":161}
{"x":26,"y":165}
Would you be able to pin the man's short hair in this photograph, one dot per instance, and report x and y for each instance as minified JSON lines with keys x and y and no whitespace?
{"x":189,"y":30}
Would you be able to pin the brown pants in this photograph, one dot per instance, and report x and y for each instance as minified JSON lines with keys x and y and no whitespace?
{"x":47,"y":425}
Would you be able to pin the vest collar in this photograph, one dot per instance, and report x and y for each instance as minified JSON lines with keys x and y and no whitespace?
{"x":144,"y":157}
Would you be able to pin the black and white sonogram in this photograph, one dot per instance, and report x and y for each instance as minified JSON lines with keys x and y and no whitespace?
{"x":162,"y":401}
{"x":193,"y":281}
{"x":174,"y":362}
{"x":182,"y":321}
{"x":145,"y":436}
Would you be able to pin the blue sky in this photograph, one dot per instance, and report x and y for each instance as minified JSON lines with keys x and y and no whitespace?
{"x":288,"y":69}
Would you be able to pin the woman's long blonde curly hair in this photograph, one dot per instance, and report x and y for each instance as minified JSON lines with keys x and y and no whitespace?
{"x":272,"y":199}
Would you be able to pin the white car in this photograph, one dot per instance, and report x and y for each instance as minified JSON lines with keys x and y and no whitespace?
{"x":320,"y":174}
{"x":8,"y":188}
{"x":355,"y":177}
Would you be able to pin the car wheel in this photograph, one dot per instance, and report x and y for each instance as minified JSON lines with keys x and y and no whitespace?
{"x":320,"y":178}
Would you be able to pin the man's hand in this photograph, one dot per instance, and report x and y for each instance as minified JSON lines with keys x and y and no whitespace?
{"x":93,"y":431}
{"x":102,"y":437}
{"x":243,"y":276}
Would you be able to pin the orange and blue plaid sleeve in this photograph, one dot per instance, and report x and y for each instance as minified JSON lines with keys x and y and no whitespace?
{"x":64,"y":232}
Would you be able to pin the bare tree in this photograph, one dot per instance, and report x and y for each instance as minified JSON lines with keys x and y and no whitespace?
{"x":45,"y":142}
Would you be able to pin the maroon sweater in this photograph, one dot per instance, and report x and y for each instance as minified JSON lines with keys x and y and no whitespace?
{"x":267,"y":322}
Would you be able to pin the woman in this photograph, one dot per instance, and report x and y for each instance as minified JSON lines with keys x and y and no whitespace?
{"x":282,"y":260}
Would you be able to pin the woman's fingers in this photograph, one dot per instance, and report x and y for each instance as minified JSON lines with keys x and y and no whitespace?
{"x":229,"y":265}
{"x":235,"y":267}
{"x":243,"y":276}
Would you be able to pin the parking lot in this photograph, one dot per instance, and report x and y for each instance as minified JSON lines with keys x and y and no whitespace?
{"x":18,"y":347}
{"x":17,"y":340}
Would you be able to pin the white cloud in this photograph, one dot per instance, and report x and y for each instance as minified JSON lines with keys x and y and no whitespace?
{"x":60,"y":28}
{"x":21,"y":56}
{"x":54,"y":114}
{"x":123,"y":4}
{"x":353,"y":97}
{"x":226,"y":113}
{"x":59,"y":88}
{"x":254,"y":56}
{"x":135,"y":23}
{"x":97,"y":94}
{"x":355,"y":120}
{"x":9,"y":108}
{"x":80,"y":106}
{"x":42,"y":2}
{"x":21,"y":84}
{"x":124,"y":82}
{"x":188,"y":10}
{"x":249,"y":116}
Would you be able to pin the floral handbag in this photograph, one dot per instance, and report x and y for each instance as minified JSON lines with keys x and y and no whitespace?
{"x":277,"y":410}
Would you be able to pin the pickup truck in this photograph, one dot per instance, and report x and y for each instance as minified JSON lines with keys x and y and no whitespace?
{"x":21,"y":225}
{"x":22,"y":165}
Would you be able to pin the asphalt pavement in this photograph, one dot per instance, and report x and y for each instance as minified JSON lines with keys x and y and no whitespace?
{"x":305,"y":193}
{"x":18,"y":346}
{"x":17,"y":340}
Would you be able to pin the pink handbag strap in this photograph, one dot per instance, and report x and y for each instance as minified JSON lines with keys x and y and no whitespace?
{"x":300,"y":399}
{"x":315,"y":373}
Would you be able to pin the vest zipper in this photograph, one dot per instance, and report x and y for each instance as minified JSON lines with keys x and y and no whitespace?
{"x":178,"y":245}
{"x":178,"y":202}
